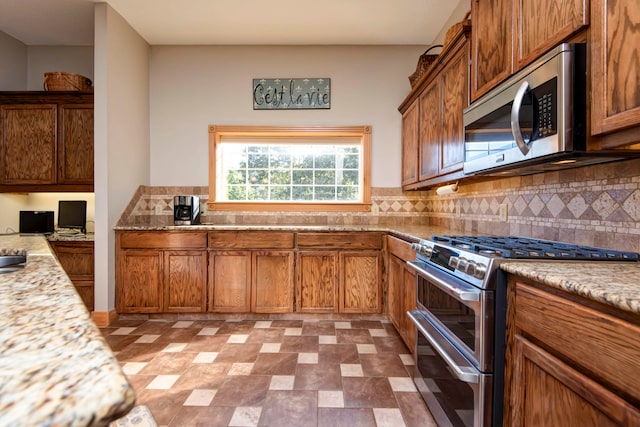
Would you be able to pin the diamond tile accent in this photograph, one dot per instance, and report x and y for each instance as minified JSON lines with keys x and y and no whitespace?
{"x":200,"y":398}
{"x":555,"y":205}
{"x":632,"y":205}
{"x":577,"y":206}
{"x":604,"y":205}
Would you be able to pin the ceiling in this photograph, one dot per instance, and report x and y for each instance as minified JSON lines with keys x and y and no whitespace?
{"x":233,"y":22}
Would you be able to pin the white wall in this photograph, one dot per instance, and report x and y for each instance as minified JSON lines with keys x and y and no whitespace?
{"x":70,"y":59}
{"x":13,"y":63}
{"x":121,"y":128}
{"x":195,"y":86}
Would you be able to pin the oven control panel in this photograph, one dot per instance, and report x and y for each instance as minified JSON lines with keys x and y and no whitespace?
{"x":468,"y":266}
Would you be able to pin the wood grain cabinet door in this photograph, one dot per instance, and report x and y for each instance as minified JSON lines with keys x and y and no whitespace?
{"x":491,"y":44}
{"x":410,"y":143}
{"x":317,"y":282}
{"x":185,"y":281}
{"x":455,"y":98}
{"x":229,"y":281}
{"x":547,"y":392}
{"x":615,"y":66}
{"x":75,"y":145}
{"x":360,"y":282}
{"x":28,"y":144}
{"x":139,"y":285}
{"x":430,"y":130}
{"x":541,"y":25}
{"x":77,"y":260}
{"x":272,"y":281}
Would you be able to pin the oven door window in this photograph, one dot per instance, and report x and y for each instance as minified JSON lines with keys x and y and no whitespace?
{"x":455,"y":316}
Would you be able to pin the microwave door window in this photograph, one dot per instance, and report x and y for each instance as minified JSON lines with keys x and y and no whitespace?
{"x":491,"y":134}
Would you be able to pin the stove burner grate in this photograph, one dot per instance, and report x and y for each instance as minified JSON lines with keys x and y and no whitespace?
{"x":514,"y":247}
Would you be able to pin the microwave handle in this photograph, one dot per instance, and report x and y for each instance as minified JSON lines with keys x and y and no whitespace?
{"x":515,"y":118}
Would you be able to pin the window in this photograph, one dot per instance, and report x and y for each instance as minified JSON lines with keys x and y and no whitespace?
{"x":289,"y":168}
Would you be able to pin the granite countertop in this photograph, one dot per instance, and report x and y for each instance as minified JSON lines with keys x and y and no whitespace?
{"x":613,"y":283}
{"x":55,"y":367}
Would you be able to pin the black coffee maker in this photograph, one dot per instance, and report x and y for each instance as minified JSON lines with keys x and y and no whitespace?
{"x":186,"y":210}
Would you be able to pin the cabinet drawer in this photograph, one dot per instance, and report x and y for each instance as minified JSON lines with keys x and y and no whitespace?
{"x":400,"y":248}
{"x":604,"y":346}
{"x":331,"y":240}
{"x":162,"y":240}
{"x":251,"y":240}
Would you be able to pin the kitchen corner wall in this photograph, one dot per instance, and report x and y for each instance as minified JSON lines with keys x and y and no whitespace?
{"x":594,"y":205}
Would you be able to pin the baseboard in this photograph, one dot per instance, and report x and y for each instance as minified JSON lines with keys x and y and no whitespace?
{"x":104,"y":318}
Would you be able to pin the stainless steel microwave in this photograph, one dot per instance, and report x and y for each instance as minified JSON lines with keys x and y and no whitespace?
{"x":535,"y":121}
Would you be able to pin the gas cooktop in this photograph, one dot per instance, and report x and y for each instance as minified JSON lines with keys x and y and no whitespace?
{"x":514,"y":247}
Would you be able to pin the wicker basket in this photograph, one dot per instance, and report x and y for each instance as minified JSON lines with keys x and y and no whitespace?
{"x":424,"y":62}
{"x":61,"y":81}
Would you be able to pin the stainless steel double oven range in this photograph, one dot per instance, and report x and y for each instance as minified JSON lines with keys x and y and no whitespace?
{"x":460,"y":316}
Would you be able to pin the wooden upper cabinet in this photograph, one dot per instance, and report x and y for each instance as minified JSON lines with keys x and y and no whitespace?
{"x":455,"y":98}
{"x":410,"y":143}
{"x":541,"y":25}
{"x":491,"y":41}
{"x":28,"y":150}
{"x":436,"y":137}
{"x":46,"y":141}
{"x":510,"y":34}
{"x":615,"y":70}
{"x":430,"y":130}
{"x":75,"y":154}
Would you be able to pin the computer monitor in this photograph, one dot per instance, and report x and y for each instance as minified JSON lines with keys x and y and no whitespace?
{"x":72,"y":214}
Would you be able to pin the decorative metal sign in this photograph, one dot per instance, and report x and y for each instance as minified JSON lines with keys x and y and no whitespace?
{"x":291,"y":94}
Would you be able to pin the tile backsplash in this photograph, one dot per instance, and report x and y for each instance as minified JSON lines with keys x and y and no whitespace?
{"x":594,"y":205}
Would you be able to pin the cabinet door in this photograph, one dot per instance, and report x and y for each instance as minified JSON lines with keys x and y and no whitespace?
{"x":272,"y":281}
{"x":430,"y":130}
{"x":455,"y":98}
{"x":536,"y":32}
{"x":28,"y":144}
{"x":230,"y":281}
{"x":77,"y":261}
{"x":491,"y":44}
{"x":395,"y":298}
{"x":317,"y":282}
{"x":360,"y":282}
{"x":75,"y":145}
{"x":615,"y":49}
{"x":410,"y":143}
{"x":139,"y":285}
{"x":409,"y":284}
{"x":547,"y":392}
{"x":185,"y":281}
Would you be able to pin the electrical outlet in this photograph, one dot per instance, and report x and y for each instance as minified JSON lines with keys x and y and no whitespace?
{"x":158,"y":209}
{"x":504,"y":212}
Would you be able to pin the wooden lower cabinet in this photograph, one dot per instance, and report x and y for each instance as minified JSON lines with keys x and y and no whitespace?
{"x":569,"y":364}
{"x":317,"y":282}
{"x":360,"y":282}
{"x":401,"y":292}
{"x":185,"y":278}
{"x":229,"y":281}
{"x":77,"y":260}
{"x":251,"y":281}
{"x":139,"y":281}
{"x":272,"y":281}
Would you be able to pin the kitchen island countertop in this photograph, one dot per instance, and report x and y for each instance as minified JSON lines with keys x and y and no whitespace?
{"x":55,"y":367}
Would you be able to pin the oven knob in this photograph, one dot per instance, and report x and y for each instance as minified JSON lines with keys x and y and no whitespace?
{"x":480,"y":271}
{"x":454,"y":261}
{"x":463,"y":265}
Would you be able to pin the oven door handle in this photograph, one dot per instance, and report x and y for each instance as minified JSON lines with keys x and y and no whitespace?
{"x":469,"y":294}
{"x":467,"y":375}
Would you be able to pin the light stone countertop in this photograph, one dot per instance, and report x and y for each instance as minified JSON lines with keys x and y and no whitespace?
{"x":55,"y":367}
{"x":615,"y":284}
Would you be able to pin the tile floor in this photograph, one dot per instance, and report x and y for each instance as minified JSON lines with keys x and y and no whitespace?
{"x":292,"y":373}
